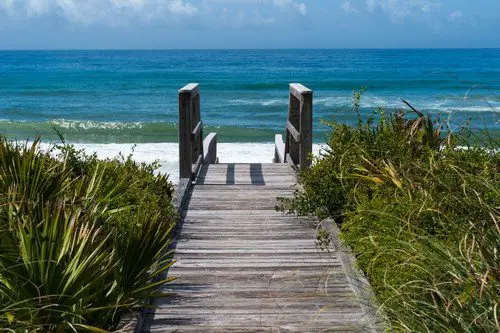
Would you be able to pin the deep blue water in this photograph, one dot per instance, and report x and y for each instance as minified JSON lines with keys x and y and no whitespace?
{"x":131,"y":96}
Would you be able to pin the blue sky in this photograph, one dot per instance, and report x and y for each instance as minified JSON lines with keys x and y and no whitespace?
{"x":173,"y":24}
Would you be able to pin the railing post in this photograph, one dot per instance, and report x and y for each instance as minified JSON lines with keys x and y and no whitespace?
{"x":306,"y":129}
{"x":186,"y":115}
{"x":196,"y":118}
{"x":292,"y":147}
{"x":299,"y":129}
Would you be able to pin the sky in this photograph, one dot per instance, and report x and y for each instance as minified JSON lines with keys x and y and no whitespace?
{"x":248,"y":24}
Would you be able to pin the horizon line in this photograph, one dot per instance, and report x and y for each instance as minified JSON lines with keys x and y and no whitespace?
{"x":250,"y":49}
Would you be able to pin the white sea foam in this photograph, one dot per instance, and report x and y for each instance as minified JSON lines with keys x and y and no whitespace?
{"x":373,"y":101}
{"x":168,"y":153}
{"x":267,"y":102}
{"x":86,"y":124}
{"x":273,"y":102}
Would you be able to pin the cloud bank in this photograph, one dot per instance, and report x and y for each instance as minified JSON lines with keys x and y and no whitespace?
{"x":117,"y":12}
{"x":102,"y":11}
{"x":397,"y":10}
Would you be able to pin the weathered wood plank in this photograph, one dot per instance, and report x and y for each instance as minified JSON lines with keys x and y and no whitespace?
{"x":279,"y":149}
{"x":185,"y":143}
{"x":210,"y":148}
{"x":306,"y":129}
{"x":298,"y":90}
{"x":191,"y":88}
{"x":242,"y":266}
{"x":292,"y":147}
{"x":293,"y":131}
{"x":188,"y":328}
{"x":197,"y":131}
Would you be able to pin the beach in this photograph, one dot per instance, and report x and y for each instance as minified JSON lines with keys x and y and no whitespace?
{"x":107,"y":101}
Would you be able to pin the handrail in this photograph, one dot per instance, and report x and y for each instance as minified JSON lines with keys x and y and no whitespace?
{"x":279,"y":149}
{"x":210,"y":148}
{"x":191,"y":144}
{"x":299,"y":129}
{"x":293,"y":131}
{"x":197,"y":131}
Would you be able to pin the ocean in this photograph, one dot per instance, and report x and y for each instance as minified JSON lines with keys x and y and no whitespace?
{"x":105,"y":101}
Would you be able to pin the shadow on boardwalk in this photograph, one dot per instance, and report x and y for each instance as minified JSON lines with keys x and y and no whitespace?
{"x":244,"y":267}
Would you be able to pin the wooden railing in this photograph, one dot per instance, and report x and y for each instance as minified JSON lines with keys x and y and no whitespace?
{"x":297,"y":148}
{"x":192,"y":147}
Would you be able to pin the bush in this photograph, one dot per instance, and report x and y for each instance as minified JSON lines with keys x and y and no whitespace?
{"x":81,"y":239}
{"x":420,"y":209}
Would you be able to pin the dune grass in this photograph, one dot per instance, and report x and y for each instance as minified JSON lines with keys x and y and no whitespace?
{"x":420,"y":209}
{"x":81,"y":240}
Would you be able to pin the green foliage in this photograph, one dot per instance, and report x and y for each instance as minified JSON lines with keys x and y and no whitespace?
{"x":81,"y":239}
{"x":420,"y":212}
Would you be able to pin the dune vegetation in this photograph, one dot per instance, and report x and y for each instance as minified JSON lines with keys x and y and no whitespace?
{"x":82,"y":240}
{"x":420,"y":208}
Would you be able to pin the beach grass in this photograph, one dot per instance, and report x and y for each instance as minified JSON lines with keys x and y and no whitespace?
{"x":420,"y":208}
{"x":81,"y":239}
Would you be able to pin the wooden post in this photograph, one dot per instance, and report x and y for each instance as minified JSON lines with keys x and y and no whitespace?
{"x":186,"y":116}
{"x":306,"y":129}
{"x":294,"y":119}
{"x":210,"y":149}
{"x":198,"y":140}
{"x":299,"y":129}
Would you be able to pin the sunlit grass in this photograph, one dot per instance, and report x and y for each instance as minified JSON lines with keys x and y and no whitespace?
{"x":81,"y":239}
{"x":420,"y":207}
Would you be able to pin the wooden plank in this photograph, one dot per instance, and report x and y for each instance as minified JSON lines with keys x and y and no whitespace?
{"x":293,"y":131}
{"x":243,"y":166}
{"x":237,"y":194}
{"x":197,"y":131}
{"x":279,"y":149}
{"x":275,"y":181}
{"x":241,"y":266}
{"x":235,"y":215}
{"x":197,"y":165}
{"x":197,"y":141}
{"x":190,"y":88}
{"x":210,"y":148}
{"x":306,"y":129}
{"x":298,"y":90}
{"x":216,"y":328}
{"x":292,"y":147}
{"x":276,"y":168}
{"x":357,"y":280}
{"x":185,"y":143}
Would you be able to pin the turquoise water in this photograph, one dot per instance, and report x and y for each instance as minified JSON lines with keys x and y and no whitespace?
{"x":131,"y":96}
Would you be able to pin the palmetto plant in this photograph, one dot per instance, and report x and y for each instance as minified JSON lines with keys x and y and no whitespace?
{"x":424,"y":129}
{"x":65,"y":263}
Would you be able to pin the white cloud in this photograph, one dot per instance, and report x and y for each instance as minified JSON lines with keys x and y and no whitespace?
{"x":298,"y":6}
{"x":37,"y":7}
{"x":238,"y":19}
{"x":118,"y":12}
{"x":110,"y":12}
{"x":347,"y":7}
{"x":456,"y":15}
{"x":181,"y":7}
{"x":135,"y":4}
{"x":301,"y":8}
{"x":398,"y":10}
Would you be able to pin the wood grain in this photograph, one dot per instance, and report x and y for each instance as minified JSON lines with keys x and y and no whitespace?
{"x":279,"y":149}
{"x":242,"y":266}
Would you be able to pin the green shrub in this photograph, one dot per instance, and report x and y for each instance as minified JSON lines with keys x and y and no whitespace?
{"x":81,"y":239}
{"x":420,"y":209}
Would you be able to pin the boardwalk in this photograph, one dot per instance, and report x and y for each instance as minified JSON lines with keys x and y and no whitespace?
{"x":244,"y":267}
